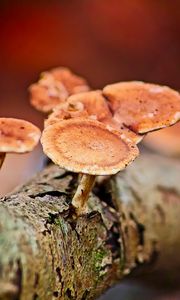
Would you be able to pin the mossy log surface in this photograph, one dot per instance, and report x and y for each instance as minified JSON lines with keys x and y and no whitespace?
{"x":132,"y":228}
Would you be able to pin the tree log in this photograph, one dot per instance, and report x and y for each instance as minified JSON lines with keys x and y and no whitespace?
{"x":132,"y":228}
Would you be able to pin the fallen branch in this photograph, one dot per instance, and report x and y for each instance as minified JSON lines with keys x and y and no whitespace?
{"x":131,"y":228}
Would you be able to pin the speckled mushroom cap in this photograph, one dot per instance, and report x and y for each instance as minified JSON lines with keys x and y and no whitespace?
{"x":47,"y":93}
{"x":17,"y":136}
{"x":165,"y":141}
{"x":94,"y":103}
{"x":54,"y":87}
{"x":123,"y":131}
{"x":72,"y":82}
{"x":87,"y":146}
{"x":65,"y":111}
{"x":143,"y":107}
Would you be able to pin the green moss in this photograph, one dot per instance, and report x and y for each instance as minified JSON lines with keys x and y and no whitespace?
{"x":57,"y":220}
{"x":60,"y":222}
{"x":98,"y":257}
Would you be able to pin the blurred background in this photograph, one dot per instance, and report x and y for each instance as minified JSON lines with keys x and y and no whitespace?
{"x":103,"y":40}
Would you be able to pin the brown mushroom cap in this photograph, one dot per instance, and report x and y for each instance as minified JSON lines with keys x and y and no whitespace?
{"x":94,"y":103}
{"x":90,"y":105}
{"x":17,"y":136}
{"x":66,"y":111}
{"x":132,"y":136}
{"x":45,"y":98}
{"x":54,"y":87}
{"x":165,"y":141}
{"x":143,"y":107}
{"x":73,"y":83}
{"x":87,"y":146}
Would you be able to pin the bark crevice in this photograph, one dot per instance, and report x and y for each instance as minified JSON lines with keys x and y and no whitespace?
{"x":130,"y":229}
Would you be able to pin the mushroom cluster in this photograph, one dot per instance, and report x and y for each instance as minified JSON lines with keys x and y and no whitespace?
{"x":54,"y":87}
{"x":17,"y":136}
{"x":97,"y":132}
{"x":89,"y":147}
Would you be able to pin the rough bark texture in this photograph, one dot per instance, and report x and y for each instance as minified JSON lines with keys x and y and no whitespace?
{"x":132,"y":227}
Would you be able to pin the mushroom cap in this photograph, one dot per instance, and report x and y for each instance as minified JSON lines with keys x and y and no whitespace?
{"x":54,"y":87}
{"x":66,"y":111}
{"x":143,"y":107}
{"x":94,"y":103}
{"x":131,"y":135}
{"x":87,"y":146}
{"x":165,"y":141}
{"x":44,"y":98}
{"x":73,"y":83}
{"x":18,"y":136}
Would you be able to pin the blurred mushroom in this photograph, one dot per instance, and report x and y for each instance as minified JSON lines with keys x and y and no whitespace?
{"x":17,"y":136}
{"x":166,"y":141}
{"x":54,"y":87}
{"x":94,"y":103}
{"x":87,"y":147}
{"x":143,"y":107}
{"x":73,"y":83}
{"x":65,"y":111}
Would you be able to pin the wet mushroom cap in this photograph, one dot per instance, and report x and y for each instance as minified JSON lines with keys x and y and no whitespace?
{"x":17,"y":136}
{"x":143,"y":107}
{"x":54,"y":87}
{"x":87,"y":146}
{"x":94,"y":103}
{"x":166,"y":141}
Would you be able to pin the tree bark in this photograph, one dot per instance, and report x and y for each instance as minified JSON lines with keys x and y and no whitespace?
{"x":132,"y":228}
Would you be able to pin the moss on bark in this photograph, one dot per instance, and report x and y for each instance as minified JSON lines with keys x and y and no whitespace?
{"x":131,"y":227}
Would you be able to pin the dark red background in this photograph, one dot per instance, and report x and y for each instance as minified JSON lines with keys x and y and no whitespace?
{"x":104,"y":40}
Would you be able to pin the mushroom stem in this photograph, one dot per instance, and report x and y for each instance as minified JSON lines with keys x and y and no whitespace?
{"x":2,"y":157}
{"x":80,"y":198}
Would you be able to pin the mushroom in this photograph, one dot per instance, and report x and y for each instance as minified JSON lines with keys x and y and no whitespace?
{"x":66,"y":110}
{"x":94,"y":103}
{"x":143,"y":107}
{"x":105,"y":145}
{"x":73,"y":83}
{"x":166,"y":141}
{"x":54,"y":87}
{"x":87,"y":146}
{"x":17,"y":136}
{"x":123,"y":130}
{"x":89,"y":105}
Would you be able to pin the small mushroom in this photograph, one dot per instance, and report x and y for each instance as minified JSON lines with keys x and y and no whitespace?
{"x":94,"y":103}
{"x":143,"y":107}
{"x":73,"y":83}
{"x":87,"y":147}
{"x":165,"y":141}
{"x":17,"y":136}
{"x":65,"y":111}
{"x":54,"y":87}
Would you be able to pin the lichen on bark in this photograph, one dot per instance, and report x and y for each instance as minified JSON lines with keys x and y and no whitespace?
{"x":131,"y":226}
